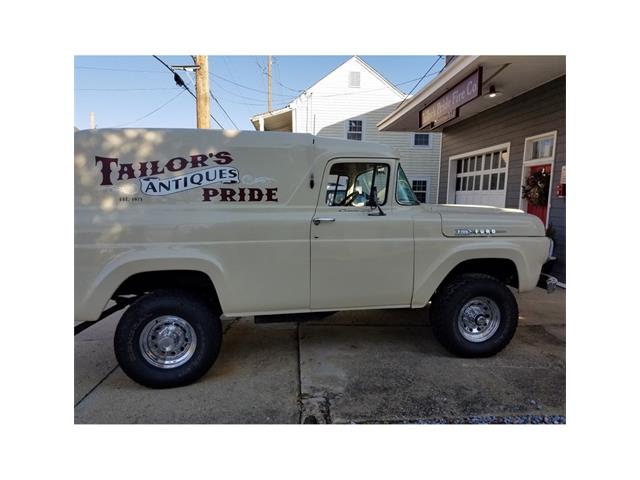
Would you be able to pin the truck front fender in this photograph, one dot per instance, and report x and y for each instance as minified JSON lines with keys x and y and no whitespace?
{"x":430,"y":272}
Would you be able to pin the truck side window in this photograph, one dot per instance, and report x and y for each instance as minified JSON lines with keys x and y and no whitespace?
{"x":404,"y":192}
{"x":349,"y":184}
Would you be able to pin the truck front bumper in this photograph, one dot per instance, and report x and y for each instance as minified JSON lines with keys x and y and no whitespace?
{"x":547,"y":282}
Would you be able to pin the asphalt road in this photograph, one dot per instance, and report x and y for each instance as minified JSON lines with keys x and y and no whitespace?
{"x":379,"y":366}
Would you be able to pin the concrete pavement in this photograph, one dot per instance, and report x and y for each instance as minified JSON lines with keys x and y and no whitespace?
{"x":363,"y":367}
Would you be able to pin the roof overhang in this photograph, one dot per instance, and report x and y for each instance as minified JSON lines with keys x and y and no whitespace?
{"x":510,"y":75}
{"x":275,"y":121}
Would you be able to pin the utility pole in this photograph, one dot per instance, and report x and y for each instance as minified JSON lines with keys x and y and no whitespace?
{"x":92,"y":121}
{"x":269,"y":77}
{"x":203,"y":101}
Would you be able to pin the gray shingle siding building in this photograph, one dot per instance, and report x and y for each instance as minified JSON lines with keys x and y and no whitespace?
{"x":502,"y":120}
{"x":535,"y":112}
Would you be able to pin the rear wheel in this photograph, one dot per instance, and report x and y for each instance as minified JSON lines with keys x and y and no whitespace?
{"x":474,"y":315}
{"x":168,"y":338}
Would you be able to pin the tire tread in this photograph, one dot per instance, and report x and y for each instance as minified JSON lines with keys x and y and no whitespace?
{"x":444,"y":312}
{"x":206,"y":319}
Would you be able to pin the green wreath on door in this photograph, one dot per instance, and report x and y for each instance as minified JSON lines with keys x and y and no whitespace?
{"x":536,"y":188}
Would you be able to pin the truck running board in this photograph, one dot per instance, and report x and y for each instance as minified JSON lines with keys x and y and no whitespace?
{"x":292,"y":317}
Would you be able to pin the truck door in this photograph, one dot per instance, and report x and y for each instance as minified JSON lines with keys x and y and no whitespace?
{"x":360,"y":258}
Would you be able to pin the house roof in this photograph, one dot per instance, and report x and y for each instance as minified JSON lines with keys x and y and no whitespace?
{"x":278,"y":118}
{"x":365,"y":65}
{"x":255,"y":119}
{"x":510,"y":75}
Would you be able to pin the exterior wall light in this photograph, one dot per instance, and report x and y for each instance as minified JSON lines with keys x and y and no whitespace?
{"x":492,"y":92}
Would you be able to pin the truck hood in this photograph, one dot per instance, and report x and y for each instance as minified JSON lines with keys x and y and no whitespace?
{"x":476,"y":220}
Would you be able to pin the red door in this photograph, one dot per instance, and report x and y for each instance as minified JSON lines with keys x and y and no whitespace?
{"x":539,"y":211}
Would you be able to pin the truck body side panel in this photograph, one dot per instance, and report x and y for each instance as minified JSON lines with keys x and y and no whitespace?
{"x":249,"y":231}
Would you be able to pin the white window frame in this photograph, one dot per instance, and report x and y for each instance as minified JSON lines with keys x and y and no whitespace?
{"x":451,"y":183}
{"x":349,"y":79}
{"x":528,"y":163}
{"x":428,"y":187}
{"x":528,"y":149}
{"x":364,"y":127}
{"x":413,"y":140}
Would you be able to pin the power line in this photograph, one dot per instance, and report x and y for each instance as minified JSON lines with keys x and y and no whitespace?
{"x":218,"y":102}
{"x":194,"y":85}
{"x":244,"y":97}
{"x":414,"y":79}
{"x":226,"y":64}
{"x":301,"y":91}
{"x":261,"y":104}
{"x":213,"y":97}
{"x":279,"y":80}
{"x":225,"y":112}
{"x":152,"y":111}
{"x":173,"y":71}
{"x":359,"y":92}
{"x":264,"y":91}
{"x":284,"y":86}
{"x":122,"y":89}
{"x":180,"y":82}
{"x":244,"y":86}
{"x":176,"y":78}
{"x":287,"y":98}
{"x":117,"y":69}
{"x":419,"y":81}
{"x":276,"y":72}
{"x":260,"y":67}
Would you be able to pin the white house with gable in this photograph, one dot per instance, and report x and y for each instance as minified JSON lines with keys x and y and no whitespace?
{"x":348,"y":103}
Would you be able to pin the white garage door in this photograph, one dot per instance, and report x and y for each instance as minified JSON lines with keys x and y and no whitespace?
{"x":482,"y":179}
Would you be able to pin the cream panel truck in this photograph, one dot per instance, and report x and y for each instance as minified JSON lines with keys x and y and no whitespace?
{"x":183,"y":226}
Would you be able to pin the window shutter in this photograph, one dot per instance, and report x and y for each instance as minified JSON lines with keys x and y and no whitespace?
{"x":354,"y":79}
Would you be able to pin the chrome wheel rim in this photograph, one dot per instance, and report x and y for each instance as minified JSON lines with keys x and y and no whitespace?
{"x":168,"y":341}
{"x":479,"y":319}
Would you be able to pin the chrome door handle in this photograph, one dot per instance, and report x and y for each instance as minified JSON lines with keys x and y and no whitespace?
{"x":319,"y":220}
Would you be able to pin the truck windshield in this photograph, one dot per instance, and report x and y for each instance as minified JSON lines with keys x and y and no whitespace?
{"x":404,"y":192}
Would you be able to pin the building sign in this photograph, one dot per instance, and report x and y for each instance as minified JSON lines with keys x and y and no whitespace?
{"x":447,"y":107}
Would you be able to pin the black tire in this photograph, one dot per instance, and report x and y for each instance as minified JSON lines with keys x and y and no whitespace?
{"x":202,"y":316}
{"x":448,"y":303}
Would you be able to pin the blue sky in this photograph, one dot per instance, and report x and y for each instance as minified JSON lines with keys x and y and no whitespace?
{"x":137,"y":91}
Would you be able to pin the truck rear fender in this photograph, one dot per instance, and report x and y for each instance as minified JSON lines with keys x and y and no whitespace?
{"x":124,"y":266}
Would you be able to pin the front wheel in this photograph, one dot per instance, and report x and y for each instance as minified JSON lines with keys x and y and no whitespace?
{"x":475,"y":315}
{"x":168,"y":338}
